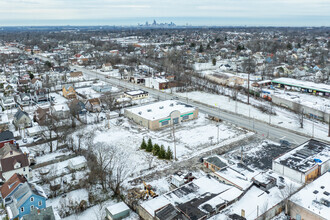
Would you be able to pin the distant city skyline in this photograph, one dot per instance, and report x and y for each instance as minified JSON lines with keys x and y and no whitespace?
{"x":130,"y":12}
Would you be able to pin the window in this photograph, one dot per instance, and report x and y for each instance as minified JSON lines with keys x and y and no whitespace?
{"x":40,"y":203}
{"x":24,"y":169}
{"x":22,"y":209}
{"x":164,"y":123}
{"x":31,"y":207}
{"x":186,"y":117}
{"x":31,"y":199}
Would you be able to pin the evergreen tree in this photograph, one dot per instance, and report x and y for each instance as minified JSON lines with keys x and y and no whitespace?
{"x":156,"y":150}
{"x":201,"y":49}
{"x":214,"y":61}
{"x":289,"y":46}
{"x":162,"y":152}
{"x":169,"y":154}
{"x":149,"y":146}
{"x":143,"y":144}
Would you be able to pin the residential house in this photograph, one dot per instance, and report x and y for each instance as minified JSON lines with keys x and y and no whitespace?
{"x":106,"y":67}
{"x":41,"y":95}
{"x":36,"y":83}
{"x":9,"y":89}
{"x":22,"y":119}
{"x":6,"y":137}
{"x":10,"y":186}
{"x":93,"y":105}
{"x":40,"y":214}
{"x":12,"y":161}
{"x":24,"y":85}
{"x":41,"y":115}
{"x":75,"y":76}
{"x":8,"y":102}
{"x":69,"y":91}
{"x":77,"y":107}
{"x":23,"y":99}
{"x":61,"y":111}
{"x":4,"y":122}
{"x":26,"y":199}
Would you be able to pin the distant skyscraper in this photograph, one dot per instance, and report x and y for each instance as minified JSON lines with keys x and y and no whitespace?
{"x":155,"y":23}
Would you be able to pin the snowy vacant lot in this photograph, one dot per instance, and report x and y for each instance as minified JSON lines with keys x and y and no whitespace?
{"x":283,"y":118}
{"x":192,"y":138}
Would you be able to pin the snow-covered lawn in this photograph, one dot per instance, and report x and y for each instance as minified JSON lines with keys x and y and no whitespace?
{"x":284,"y":118}
{"x":51,"y":156}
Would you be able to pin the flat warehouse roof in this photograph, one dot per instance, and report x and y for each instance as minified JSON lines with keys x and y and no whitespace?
{"x":303,"y":84}
{"x":306,"y":156}
{"x":161,"y":110}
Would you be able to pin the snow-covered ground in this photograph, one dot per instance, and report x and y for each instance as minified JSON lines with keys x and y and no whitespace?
{"x":89,"y":92}
{"x":192,"y":138}
{"x":284,"y":118}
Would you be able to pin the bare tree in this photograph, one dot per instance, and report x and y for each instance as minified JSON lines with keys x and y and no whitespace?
{"x":149,"y":158}
{"x":285,"y":195}
{"x":104,"y":156}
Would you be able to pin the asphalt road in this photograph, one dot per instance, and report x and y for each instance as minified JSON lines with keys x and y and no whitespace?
{"x":260,"y":127}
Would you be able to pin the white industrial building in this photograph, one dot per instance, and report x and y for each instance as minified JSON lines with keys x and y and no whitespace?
{"x":304,"y":163}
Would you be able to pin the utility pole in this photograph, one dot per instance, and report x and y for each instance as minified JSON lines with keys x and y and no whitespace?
{"x":329,"y":128}
{"x":173,"y":126}
{"x":218,"y":133}
{"x":249,"y":87}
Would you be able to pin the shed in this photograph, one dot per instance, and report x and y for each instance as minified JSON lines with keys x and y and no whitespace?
{"x":77,"y":163}
{"x":117,"y":211}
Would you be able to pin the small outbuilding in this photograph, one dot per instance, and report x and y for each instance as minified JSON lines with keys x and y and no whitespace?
{"x":117,"y":211}
{"x":77,"y":163}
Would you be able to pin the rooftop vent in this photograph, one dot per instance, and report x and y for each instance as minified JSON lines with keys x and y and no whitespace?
{"x":315,"y":192}
{"x":161,"y":107}
{"x":322,"y":187}
{"x":140,"y":113}
{"x":171,"y":104}
{"x":326,"y":193}
{"x":149,"y":110}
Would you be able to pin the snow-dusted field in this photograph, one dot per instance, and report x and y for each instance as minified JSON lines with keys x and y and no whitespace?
{"x":284,"y":118}
{"x":192,"y":138}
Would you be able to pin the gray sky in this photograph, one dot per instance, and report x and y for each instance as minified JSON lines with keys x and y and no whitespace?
{"x":206,"y":12}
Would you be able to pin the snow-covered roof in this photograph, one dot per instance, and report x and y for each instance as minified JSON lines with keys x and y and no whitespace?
{"x":161,"y":110}
{"x":193,"y":190}
{"x":303,"y":84}
{"x":235,"y":178}
{"x":136,"y":92}
{"x":117,"y":208}
{"x":61,"y":107}
{"x":76,"y":161}
{"x":312,"y":197}
{"x":302,"y":158}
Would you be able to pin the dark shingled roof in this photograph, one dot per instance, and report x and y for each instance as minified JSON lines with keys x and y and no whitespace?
{"x":7,"y":164}
{"x":6,"y":135}
{"x":170,"y":213}
{"x":216,"y":161}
